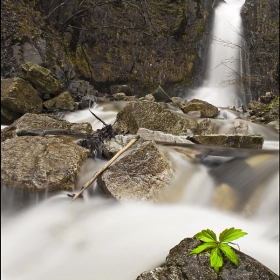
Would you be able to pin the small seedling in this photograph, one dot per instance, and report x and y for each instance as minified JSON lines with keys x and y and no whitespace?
{"x":218,"y":247}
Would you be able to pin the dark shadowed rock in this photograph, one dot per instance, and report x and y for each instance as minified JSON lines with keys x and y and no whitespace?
{"x":160,"y":95}
{"x":140,"y":175}
{"x":41,"y":78}
{"x":207,"y":110}
{"x":180,"y":265}
{"x":38,"y":163}
{"x":153,"y":116}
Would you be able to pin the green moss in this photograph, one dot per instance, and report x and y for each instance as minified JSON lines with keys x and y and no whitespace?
{"x":199,"y":27}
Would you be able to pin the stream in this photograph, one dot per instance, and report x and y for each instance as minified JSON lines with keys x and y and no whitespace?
{"x":46,"y":237}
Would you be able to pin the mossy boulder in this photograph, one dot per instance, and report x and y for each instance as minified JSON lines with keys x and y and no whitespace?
{"x":41,"y":78}
{"x":63,"y":101}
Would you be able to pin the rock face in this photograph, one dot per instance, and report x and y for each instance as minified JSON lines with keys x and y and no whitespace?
{"x":20,"y":97}
{"x":117,"y":55}
{"x":207,"y":110}
{"x":41,"y":78}
{"x":153,"y":116}
{"x":38,"y":163}
{"x":261,"y":32}
{"x":180,"y":265}
{"x":139,"y":175}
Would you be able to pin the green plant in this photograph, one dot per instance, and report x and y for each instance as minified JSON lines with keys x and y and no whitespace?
{"x":218,"y":247}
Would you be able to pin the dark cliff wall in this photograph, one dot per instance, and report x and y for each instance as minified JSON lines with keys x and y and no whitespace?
{"x":141,"y":43}
{"x":261,"y":32}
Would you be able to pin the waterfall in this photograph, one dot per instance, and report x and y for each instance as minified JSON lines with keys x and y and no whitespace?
{"x":222,"y":82}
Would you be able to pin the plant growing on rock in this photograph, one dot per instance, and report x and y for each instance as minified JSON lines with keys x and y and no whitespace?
{"x":218,"y":248}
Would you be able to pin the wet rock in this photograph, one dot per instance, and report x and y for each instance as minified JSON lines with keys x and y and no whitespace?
{"x":240,"y":127}
{"x":207,"y":110}
{"x":41,"y":78}
{"x":178,"y":101}
{"x":256,"y":106}
{"x":150,"y":135}
{"x":149,"y":97}
{"x":121,"y":96}
{"x":121,"y":88}
{"x":112,"y":147}
{"x":160,"y":95}
{"x":153,"y":116}
{"x":206,"y":127}
{"x":140,"y":175}
{"x":180,"y":265}
{"x":41,"y":163}
{"x":42,"y":122}
{"x":231,"y":140}
{"x":18,"y":96}
{"x":63,"y":101}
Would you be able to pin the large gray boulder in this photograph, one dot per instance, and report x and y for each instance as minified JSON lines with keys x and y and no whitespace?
{"x":41,"y":78}
{"x":207,"y":110}
{"x":19,"y":96}
{"x":153,"y":116}
{"x":180,"y":265}
{"x":41,"y":163}
{"x":140,"y":175}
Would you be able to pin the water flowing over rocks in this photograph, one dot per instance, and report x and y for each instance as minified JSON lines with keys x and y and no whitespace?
{"x":180,"y":265}
{"x":140,"y":175}
{"x":41,"y":163}
{"x":153,"y":116}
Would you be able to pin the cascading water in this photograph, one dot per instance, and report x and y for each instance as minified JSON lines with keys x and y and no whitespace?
{"x":50,"y":238}
{"x":222,"y":82}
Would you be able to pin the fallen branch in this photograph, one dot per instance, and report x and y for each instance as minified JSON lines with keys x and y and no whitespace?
{"x":79,"y":194}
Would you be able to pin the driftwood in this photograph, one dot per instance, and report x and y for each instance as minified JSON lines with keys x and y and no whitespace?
{"x":79,"y":194}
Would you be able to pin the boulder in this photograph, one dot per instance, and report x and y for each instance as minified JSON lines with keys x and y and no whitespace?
{"x":18,"y":96}
{"x":230,"y":140}
{"x":150,"y":135}
{"x":207,"y":110}
{"x":257,"y":106}
{"x":121,"y":88}
{"x":29,"y":122}
{"x":41,"y":163}
{"x":180,"y":265}
{"x":153,"y":116}
{"x":240,"y":127}
{"x":112,"y":147}
{"x":160,"y":95}
{"x":121,"y":96}
{"x":140,"y":175}
{"x":41,"y":78}
{"x":63,"y":101}
{"x":206,"y":127}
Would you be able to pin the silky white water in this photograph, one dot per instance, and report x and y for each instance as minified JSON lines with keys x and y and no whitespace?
{"x":221,"y":85}
{"x":103,"y":239}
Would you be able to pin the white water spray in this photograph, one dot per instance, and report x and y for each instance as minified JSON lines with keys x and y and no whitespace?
{"x":221,"y":87}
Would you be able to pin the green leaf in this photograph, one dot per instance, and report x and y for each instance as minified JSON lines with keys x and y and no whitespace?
{"x":203,"y":247}
{"x":229,"y":253}
{"x":231,"y":234}
{"x":206,"y":235}
{"x":216,"y":259}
